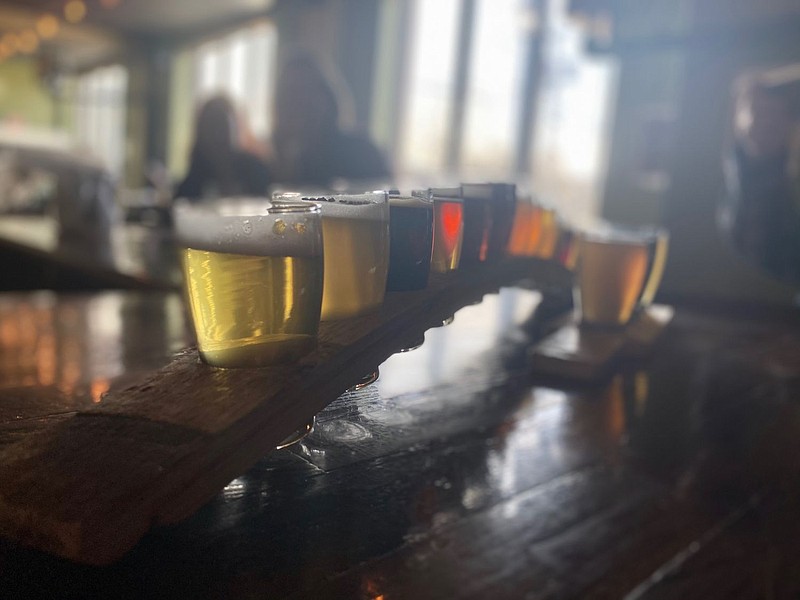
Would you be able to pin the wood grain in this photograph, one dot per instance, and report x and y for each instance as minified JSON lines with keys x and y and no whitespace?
{"x":88,"y":486}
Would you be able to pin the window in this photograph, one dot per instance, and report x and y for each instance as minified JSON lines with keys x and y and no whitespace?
{"x":241,"y":65}
{"x":430,"y":86}
{"x":468,"y":110}
{"x":494,"y":88}
{"x":568,"y":158}
{"x":99,"y":111}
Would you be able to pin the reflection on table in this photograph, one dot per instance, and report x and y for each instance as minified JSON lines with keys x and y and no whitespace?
{"x":457,"y":474}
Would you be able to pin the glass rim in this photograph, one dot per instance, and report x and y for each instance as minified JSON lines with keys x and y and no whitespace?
{"x":280,"y":207}
{"x":322,"y":198}
{"x":427,"y":194}
{"x":423,"y":199}
{"x":242,"y":207}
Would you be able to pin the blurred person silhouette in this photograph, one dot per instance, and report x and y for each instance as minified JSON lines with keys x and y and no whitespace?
{"x":220,"y":164}
{"x":763,"y":177}
{"x":310,"y":145}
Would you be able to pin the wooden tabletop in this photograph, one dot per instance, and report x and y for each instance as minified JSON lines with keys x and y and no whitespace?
{"x":458,"y":474}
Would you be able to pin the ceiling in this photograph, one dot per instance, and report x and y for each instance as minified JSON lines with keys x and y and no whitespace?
{"x":104,"y":31}
{"x":155,"y":17}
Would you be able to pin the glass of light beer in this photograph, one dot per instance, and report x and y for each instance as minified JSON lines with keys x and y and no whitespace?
{"x":253,"y":275}
{"x":355,"y":231}
{"x":611,"y":275}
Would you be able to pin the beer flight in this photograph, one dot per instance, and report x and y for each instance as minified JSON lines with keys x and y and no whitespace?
{"x":260,"y":275}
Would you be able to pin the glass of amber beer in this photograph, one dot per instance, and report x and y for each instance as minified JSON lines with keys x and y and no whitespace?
{"x":612,"y":272}
{"x":355,"y":231}
{"x":656,"y":261}
{"x":253,"y":275}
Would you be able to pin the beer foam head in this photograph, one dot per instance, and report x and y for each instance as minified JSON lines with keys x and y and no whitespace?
{"x":252,"y":226}
{"x":372,"y":206}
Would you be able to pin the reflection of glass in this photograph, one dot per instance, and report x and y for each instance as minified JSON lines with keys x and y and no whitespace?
{"x":611,"y":276}
{"x":368,"y":379}
{"x":253,"y":278}
{"x":411,"y":227}
{"x":356,"y":237}
{"x":298,"y":436}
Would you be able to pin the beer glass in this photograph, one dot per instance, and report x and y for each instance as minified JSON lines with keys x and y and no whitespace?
{"x":355,"y":230}
{"x":253,"y":276}
{"x":411,"y":242}
{"x":448,"y":231}
{"x":656,"y":261}
{"x":477,"y":225}
{"x":548,"y":235}
{"x":526,"y":229}
{"x":501,"y":199}
{"x":611,"y":275}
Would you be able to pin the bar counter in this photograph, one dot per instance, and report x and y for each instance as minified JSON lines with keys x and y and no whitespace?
{"x":459,"y":473}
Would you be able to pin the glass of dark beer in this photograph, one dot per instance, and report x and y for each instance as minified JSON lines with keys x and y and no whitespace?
{"x":411,"y":242}
{"x":501,"y":199}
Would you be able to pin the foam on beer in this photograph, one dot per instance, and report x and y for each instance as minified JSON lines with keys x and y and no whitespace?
{"x":254,"y":229}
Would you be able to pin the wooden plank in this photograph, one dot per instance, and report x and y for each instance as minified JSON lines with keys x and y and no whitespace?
{"x":87,"y":487}
{"x":588,"y":354}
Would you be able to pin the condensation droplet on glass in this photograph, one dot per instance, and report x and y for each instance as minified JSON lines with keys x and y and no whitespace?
{"x":300,"y":228}
{"x":279,"y":227}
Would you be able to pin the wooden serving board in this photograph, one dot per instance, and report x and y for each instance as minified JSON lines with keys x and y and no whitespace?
{"x":588,"y":354}
{"x":88,"y":486}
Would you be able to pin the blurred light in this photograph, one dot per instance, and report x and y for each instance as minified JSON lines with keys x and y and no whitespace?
{"x":98,"y":388}
{"x":11,"y":43}
{"x":28,"y":41}
{"x":47,"y":26}
{"x":109,"y":3}
{"x":529,"y":20}
{"x":75,"y":11}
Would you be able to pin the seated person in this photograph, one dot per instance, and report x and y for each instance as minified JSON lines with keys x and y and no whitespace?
{"x":308,"y":144}
{"x":219,"y":164}
{"x":763,"y":214}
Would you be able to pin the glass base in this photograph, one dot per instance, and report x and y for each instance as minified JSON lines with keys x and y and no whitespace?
{"x":413,"y":345}
{"x":368,"y":379}
{"x":298,"y":435}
